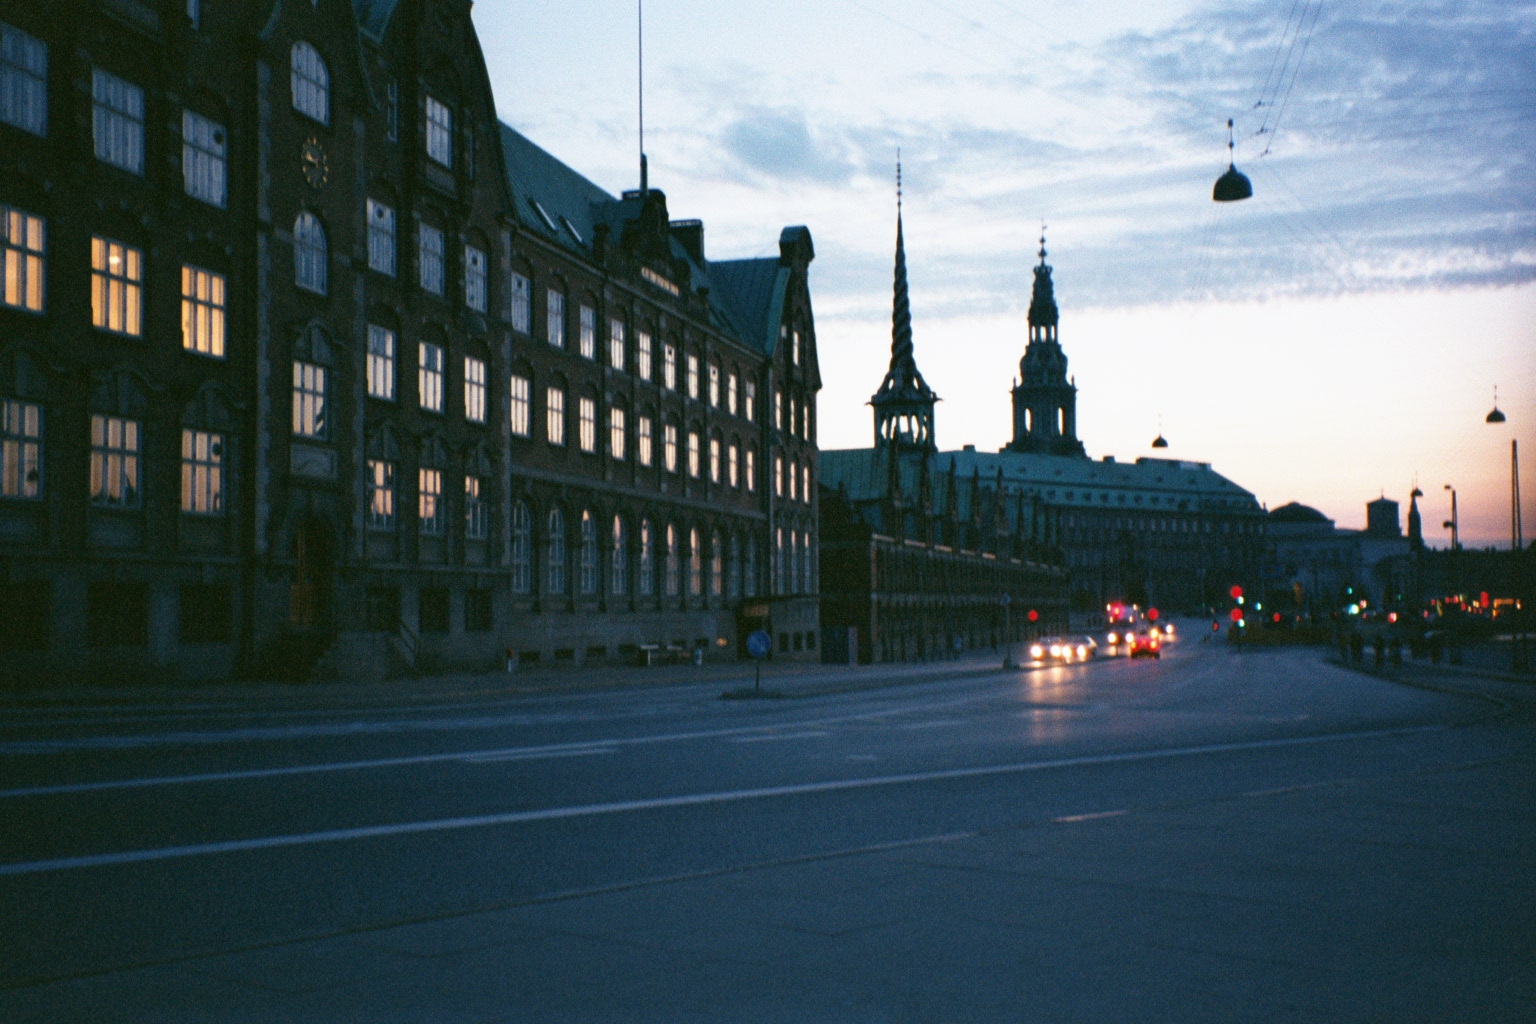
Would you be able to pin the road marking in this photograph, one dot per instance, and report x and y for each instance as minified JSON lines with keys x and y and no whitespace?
{"x":496,"y":753}
{"x":406,"y":828}
{"x":1068,"y":819}
{"x":936,"y":724}
{"x":523,"y":755}
{"x":809,"y":734}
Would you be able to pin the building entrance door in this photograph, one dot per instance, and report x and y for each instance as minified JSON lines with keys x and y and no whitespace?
{"x":309,"y":593}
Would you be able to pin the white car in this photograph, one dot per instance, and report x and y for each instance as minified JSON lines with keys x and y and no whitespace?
{"x":1063,"y":649}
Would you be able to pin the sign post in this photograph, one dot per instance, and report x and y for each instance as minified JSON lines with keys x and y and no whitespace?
{"x":758,"y":645}
{"x":1008,"y":631}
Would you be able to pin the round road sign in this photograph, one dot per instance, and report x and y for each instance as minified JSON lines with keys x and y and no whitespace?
{"x":758,"y":643}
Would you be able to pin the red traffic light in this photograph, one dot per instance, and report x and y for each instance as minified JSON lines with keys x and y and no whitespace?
{"x":1237,"y":615}
{"x":1215,"y":626}
{"x":1151,"y":614}
{"x":1236,"y":593}
{"x":1033,"y":615}
{"x":1277,"y":616}
{"x":1482,"y":599}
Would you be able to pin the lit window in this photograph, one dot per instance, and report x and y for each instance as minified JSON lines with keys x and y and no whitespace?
{"x":21,"y":451}
{"x":586,"y":409}
{"x":669,"y":447}
{"x":310,"y":82}
{"x":476,"y":512}
{"x":439,"y":132}
{"x":693,"y":377}
{"x":794,"y":472}
{"x":202,"y":312}
{"x":114,"y":462}
{"x":643,"y":433}
{"x":750,"y":470}
{"x":202,"y":472}
{"x":202,"y":158}
{"x":117,"y":282}
{"x":732,"y":474}
{"x":669,"y":367}
{"x":556,"y":551}
{"x":431,"y":245}
{"x":22,"y":248}
{"x":117,"y":121}
{"x":730,"y":393}
{"x":381,"y":363}
{"x":716,"y":565}
{"x":588,"y":338}
{"x":805,"y":482}
{"x":646,"y":584}
{"x":714,"y":386}
{"x":618,"y":560}
{"x":474,"y":279}
{"x":751,"y":400}
{"x":309,"y":412}
{"x":616,"y":432}
{"x":521,"y":302}
{"x":23,"y":81}
{"x":521,"y":410}
{"x":381,"y":495}
{"x":714,"y":460}
{"x":474,"y":389}
{"x":381,"y":238}
{"x":429,"y":504}
{"x":309,"y":251}
{"x":693,"y":454}
{"x":522,"y":549}
{"x":778,"y":476}
{"x":643,"y":354}
{"x":616,"y":344}
{"x":588,"y":553}
{"x":792,"y":420}
{"x":778,"y":410}
{"x":554,"y":318}
{"x":429,"y":376}
{"x":554,"y":415}
{"x":794,"y":348}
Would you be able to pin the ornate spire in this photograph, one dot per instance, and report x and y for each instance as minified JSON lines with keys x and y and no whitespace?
{"x":1042,"y":303}
{"x":901,"y":309}
{"x":904,"y":402}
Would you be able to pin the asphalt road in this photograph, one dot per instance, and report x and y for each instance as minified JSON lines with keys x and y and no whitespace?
{"x":1211,"y":836}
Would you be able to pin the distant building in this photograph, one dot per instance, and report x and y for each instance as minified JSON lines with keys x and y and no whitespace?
{"x":1327,"y":568}
{"x":1156,"y":531}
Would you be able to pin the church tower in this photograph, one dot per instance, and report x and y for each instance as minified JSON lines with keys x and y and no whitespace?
{"x":904,"y":403}
{"x":1045,"y":399}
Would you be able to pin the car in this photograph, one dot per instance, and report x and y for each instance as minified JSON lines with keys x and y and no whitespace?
{"x":1063,"y":649}
{"x":1144,"y":645}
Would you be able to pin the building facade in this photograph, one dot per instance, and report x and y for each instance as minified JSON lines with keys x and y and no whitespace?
{"x":308,"y":363}
{"x":1154,"y":531}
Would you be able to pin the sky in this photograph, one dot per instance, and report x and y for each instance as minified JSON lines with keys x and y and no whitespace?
{"x":1336,"y":337}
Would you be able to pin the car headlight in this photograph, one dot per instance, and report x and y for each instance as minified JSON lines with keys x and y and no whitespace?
{"x":1055,"y":650}
{"x":1082,"y":652}
{"x":1114,"y":638}
{"x":1036,"y":651}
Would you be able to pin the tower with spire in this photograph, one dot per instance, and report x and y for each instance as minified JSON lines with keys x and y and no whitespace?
{"x":904,"y":403}
{"x":1045,"y":398}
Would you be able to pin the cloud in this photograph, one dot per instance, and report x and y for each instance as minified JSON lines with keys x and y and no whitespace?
{"x":779,"y":144}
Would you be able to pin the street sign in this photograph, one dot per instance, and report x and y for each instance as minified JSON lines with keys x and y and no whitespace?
{"x":759,"y":644}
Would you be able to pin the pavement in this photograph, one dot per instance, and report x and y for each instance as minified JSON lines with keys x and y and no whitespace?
{"x":1213,"y":836}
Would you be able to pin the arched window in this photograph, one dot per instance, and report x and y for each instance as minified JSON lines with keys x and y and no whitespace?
{"x":309,"y":257}
{"x":588,"y":553}
{"x":647,"y":581}
{"x":555,"y":545}
{"x":716,"y":565}
{"x":749,"y":570}
{"x":733,"y":573}
{"x":695,"y":565}
{"x":311,"y":83}
{"x":522,"y":549}
{"x":618,"y":559}
{"x":672,"y":567}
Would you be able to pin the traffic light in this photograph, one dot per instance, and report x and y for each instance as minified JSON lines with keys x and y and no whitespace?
{"x":1236,"y":615}
{"x":1236,"y":592}
{"x":1033,"y":615}
{"x":1151,"y":614}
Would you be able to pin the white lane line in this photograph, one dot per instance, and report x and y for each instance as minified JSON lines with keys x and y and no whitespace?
{"x":520,"y":755}
{"x":405,"y":828}
{"x":500,"y":753}
{"x":936,"y":724}
{"x":808,"y":734}
{"x":1068,"y":819}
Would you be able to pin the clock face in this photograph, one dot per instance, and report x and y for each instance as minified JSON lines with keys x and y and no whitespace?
{"x":312,"y":162}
